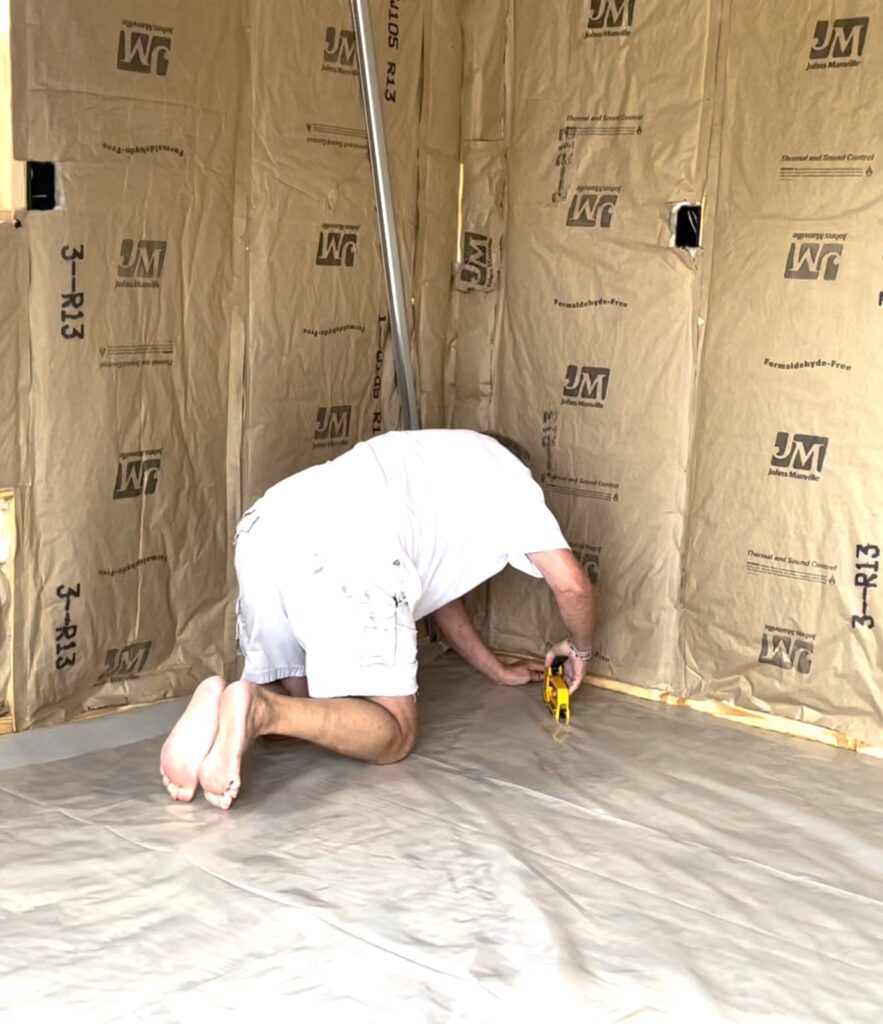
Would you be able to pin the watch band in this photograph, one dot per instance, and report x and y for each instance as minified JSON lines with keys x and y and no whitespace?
{"x":585,"y":655}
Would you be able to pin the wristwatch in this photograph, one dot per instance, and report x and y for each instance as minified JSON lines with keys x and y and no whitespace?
{"x":585,"y":655}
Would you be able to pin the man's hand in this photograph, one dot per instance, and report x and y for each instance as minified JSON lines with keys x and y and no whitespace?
{"x":457,"y":628}
{"x":517,"y":673}
{"x":574,"y":668}
{"x":576,"y":602}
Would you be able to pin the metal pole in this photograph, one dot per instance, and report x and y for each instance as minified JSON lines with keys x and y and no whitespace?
{"x":398,"y":310}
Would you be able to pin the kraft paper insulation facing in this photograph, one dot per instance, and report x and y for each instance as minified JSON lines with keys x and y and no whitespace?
{"x":703,"y":420}
{"x":317,"y":374}
{"x":205,"y":313}
{"x":13,"y":384}
{"x":134,"y":312}
{"x":786,"y":511}
{"x":649,"y":865}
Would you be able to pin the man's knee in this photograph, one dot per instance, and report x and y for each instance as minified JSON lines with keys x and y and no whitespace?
{"x":404,"y":711}
{"x":408,"y":737}
{"x":395,"y":754}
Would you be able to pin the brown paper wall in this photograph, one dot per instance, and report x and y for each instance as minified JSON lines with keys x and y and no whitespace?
{"x":594,"y":365}
{"x":122,"y":78}
{"x":13,"y":348}
{"x":124,"y":570}
{"x":643,"y":463}
{"x":782,"y":567}
{"x":438,"y":184}
{"x":128,"y":492}
{"x":477,"y":300}
{"x":13,"y":382}
{"x":537,"y":153}
{"x":217,"y":232}
{"x":318,"y":367}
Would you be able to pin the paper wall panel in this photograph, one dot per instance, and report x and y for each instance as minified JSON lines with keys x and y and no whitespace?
{"x":605,"y":417}
{"x":317,"y":355}
{"x":106,"y":79}
{"x":477,"y":303}
{"x":784,"y":507}
{"x":13,"y":411}
{"x":129,"y":501}
{"x":439,"y":177}
{"x":609,"y":102}
{"x":781,"y":579}
{"x":554,"y":311}
{"x":125,"y":535}
{"x":594,"y":364}
{"x":316,"y":359}
{"x":803,"y":120}
{"x":307,"y":103}
{"x":484,"y":29}
{"x":13,"y":348}
{"x":309,"y":139}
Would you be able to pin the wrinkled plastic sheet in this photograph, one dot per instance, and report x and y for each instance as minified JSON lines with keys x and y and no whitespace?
{"x":645,"y":865}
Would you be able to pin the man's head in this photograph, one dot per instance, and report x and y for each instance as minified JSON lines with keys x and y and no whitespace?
{"x":518,"y":450}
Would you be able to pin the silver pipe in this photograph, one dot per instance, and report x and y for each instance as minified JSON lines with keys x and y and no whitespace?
{"x":398,"y":310}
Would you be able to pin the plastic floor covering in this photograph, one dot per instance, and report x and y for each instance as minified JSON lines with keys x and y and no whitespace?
{"x":647,"y":865}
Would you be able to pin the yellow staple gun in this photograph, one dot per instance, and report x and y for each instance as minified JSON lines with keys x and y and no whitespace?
{"x":555,"y":692}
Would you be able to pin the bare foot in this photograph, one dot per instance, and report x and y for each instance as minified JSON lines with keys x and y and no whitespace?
{"x":220,"y":774}
{"x":191,"y":739}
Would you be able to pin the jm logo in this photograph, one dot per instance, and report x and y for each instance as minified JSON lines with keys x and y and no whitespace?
{"x":336,"y":248}
{"x":808,"y":260}
{"x":143,"y":51}
{"x":126,"y":662}
{"x":136,"y":475}
{"x":786,"y":652}
{"x":333,"y":424}
{"x":587,"y":383}
{"x":610,"y":14}
{"x":804,"y":453}
{"x":340,"y":47}
{"x":143,"y":258}
{"x":591,"y":209}
{"x":843,"y":37}
{"x":476,"y":271}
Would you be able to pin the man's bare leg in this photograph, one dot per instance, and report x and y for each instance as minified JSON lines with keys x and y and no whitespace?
{"x":378,"y":729}
{"x":294,"y":686}
{"x":191,"y":739}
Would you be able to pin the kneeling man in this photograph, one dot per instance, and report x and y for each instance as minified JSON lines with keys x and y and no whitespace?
{"x":336,"y":564}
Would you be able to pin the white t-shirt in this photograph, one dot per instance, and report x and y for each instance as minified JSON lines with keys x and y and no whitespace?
{"x":455,"y":503}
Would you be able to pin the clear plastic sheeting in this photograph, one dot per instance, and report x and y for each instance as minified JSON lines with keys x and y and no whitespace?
{"x":646,"y":865}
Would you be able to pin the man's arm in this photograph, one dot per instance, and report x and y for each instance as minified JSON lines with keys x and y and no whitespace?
{"x":456,"y":626}
{"x":575,"y":598}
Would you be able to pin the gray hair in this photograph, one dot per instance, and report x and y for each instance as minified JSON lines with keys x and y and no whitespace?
{"x":518,"y":450}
